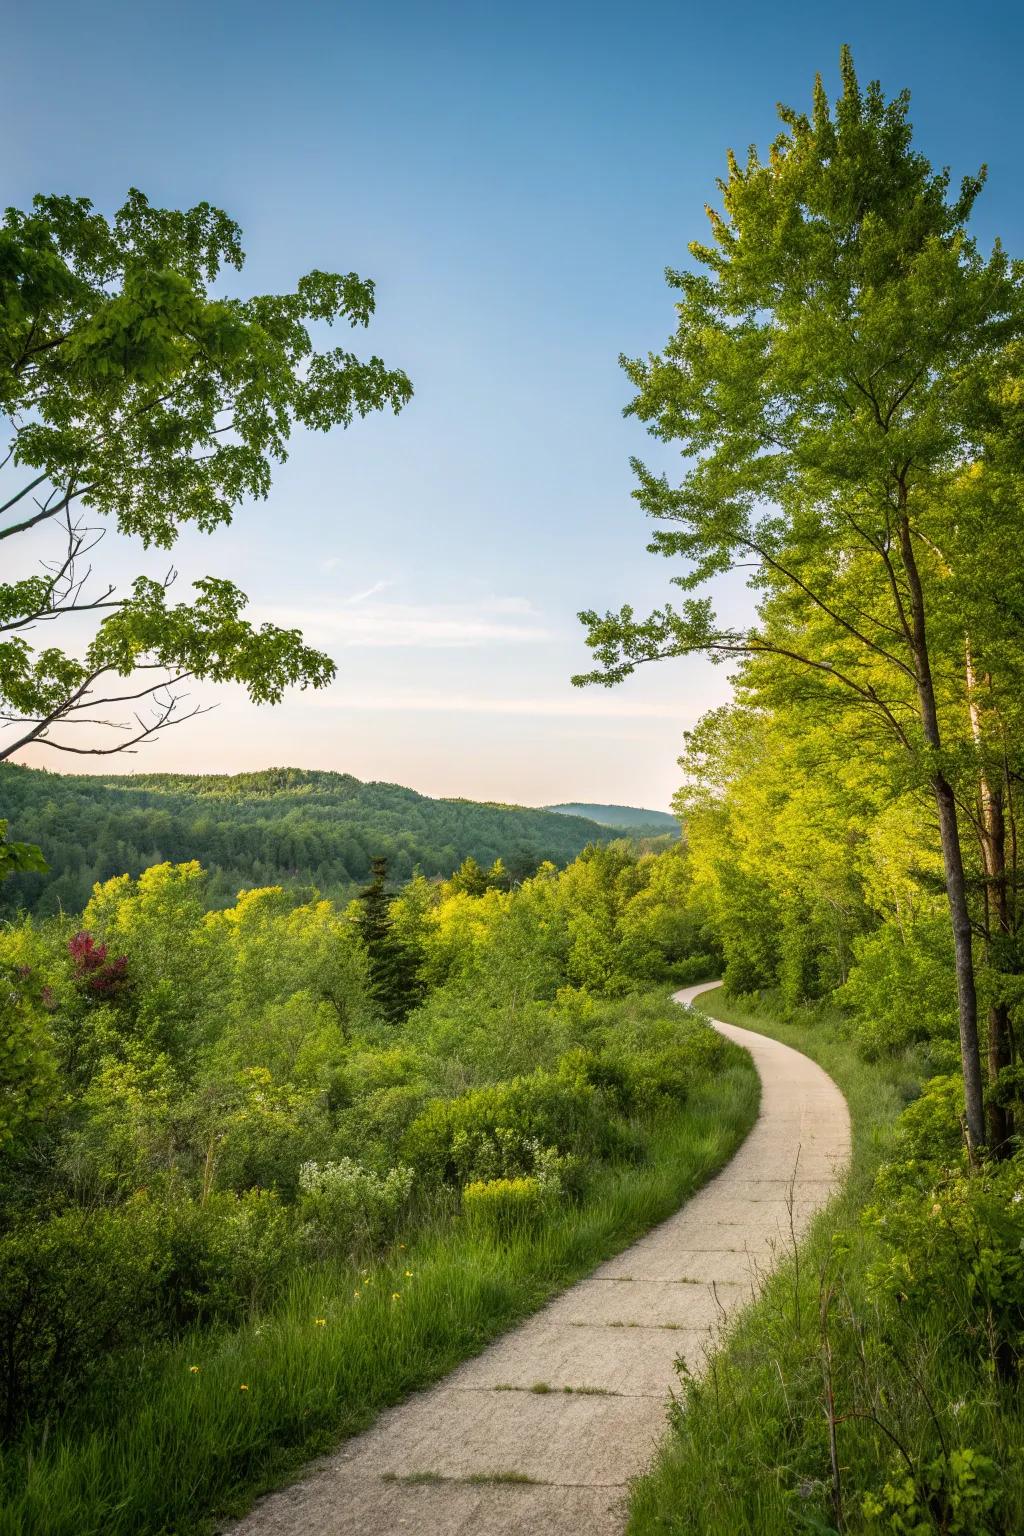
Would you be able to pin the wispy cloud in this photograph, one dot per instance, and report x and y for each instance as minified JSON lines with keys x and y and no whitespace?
{"x":359,"y":621}
{"x":362,"y":597}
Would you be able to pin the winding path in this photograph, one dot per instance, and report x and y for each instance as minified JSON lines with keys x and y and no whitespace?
{"x":483,"y":1453}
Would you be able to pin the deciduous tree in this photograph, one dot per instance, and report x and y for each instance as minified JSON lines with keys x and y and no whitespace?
{"x":843,"y":355}
{"x":136,"y":394}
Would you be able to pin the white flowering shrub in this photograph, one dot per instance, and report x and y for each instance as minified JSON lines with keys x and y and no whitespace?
{"x":347,"y":1207}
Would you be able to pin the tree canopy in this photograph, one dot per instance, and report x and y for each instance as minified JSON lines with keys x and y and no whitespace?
{"x":138,"y":395}
{"x":844,"y":382}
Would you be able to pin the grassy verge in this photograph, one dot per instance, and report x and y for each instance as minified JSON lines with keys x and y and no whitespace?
{"x":753,"y":1449}
{"x":215,"y":1421}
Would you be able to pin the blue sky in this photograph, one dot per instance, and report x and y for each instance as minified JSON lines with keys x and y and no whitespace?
{"x":515,"y":179}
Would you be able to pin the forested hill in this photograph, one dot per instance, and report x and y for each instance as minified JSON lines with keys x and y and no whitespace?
{"x":283,"y":826}
{"x":631,"y":819}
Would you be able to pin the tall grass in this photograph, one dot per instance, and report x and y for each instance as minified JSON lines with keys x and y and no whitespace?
{"x":199,"y":1430}
{"x":814,"y":1403}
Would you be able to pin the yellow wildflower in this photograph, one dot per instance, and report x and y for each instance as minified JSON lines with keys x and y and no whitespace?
{"x":244,"y":1387}
{"x":321,"y":1322}
{"x":195,"y":1369}
{"x":395,"y":1295}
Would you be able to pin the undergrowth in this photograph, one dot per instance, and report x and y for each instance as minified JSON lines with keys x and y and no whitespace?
{"x":195,"y":1430}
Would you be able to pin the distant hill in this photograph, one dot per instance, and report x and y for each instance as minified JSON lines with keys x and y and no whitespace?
{"x":285,"y":826}
{"x":625,"y":818}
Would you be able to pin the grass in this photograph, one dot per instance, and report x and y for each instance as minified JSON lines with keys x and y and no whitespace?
{"x":183,"y":1448}
{"x":751,"y":1452}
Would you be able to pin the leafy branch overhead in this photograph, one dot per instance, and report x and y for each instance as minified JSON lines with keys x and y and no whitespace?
{"x":136,"y":397}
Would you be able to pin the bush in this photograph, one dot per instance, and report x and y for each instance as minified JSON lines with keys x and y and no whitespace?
{"x":348,"y":1207}
{"x":957,"y":1494}
{"x":224,"y":1259}
{"x":503,"y":1208}
{"x":491,"y":1132}
{"x":968,"y":1228}
{"x":73,"y":1289}
{"x":694,"y":968}
{"x":82,"y":1286}
{"x":378,"y":1122}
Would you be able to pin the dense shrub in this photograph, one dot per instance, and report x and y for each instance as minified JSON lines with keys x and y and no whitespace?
{"x":349,"y":1208}
{"x":901,"y":987}
{"x":377,"y":1123}
{"x":968,"y":1227}
{"x":223,"y":1259}
{"x":72,"y":1289}
{"x":505,"y":1207}
{"x":957,"y":1494}
{"x":486,"y":1133}
{"x":78,"y":1287}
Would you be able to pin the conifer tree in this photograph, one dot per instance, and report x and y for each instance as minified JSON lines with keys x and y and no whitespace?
{"x":394,"y":965}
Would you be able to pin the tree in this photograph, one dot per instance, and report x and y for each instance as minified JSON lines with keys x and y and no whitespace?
{"x":394,"y":965}
{"x":841,"y":363}
{"x":18,"y":858}
{"x":136,"y":397}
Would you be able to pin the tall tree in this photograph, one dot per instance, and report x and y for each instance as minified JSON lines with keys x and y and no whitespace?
{"x":842,"y":358}
{"x":135,"y":396}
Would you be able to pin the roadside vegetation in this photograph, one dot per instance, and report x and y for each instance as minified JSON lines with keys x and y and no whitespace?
{"x":875,"y":1386}
{"x":267,"y":1169}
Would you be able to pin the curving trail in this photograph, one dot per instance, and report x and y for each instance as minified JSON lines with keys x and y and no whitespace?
{"x":480,"y":1454}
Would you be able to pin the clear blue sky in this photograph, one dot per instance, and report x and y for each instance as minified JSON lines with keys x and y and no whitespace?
{"x":515,"y":178}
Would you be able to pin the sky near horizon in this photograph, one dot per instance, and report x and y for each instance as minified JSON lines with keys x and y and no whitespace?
{"x":515,"y":180}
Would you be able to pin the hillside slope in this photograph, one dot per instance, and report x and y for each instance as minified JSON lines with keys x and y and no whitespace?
{"x":632,"y":819}
{"x":282,"y":826}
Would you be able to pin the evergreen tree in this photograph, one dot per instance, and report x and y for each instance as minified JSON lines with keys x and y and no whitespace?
{"x":394,"y":965}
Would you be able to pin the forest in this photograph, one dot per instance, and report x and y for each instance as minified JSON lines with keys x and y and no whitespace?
{"x":289,"y":827}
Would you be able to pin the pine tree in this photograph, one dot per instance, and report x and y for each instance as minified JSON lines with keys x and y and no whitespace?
{"x":394,"y":965}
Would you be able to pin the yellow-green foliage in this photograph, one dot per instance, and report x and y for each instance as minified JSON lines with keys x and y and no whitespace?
{"x":502,"y":1207}
{"x":224,"y":1087}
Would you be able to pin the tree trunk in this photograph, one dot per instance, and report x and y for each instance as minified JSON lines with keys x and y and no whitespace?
{"x":967,"y":996}
{"x":949,"y":834}
{"x":992,"y":836}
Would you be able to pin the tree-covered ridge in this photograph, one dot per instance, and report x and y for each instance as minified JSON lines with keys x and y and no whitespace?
{"x":634,"y":819}
{"x":284,"y":826}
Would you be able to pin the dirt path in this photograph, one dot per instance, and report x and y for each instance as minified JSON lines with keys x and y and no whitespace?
{"x":542,"y":1432}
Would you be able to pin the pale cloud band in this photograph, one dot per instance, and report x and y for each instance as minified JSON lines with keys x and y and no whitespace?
{"x":358,"y":621}
{"x":572,"y":706}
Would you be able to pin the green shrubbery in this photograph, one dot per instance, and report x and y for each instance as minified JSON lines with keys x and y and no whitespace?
{"x":936,"y":1215}
{"x":499,"y":1131}
{"x":80,"y":1288}
{"x":350,"y":1209}
{"x":207,"y":1110}
{"x":503,"y":1208}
